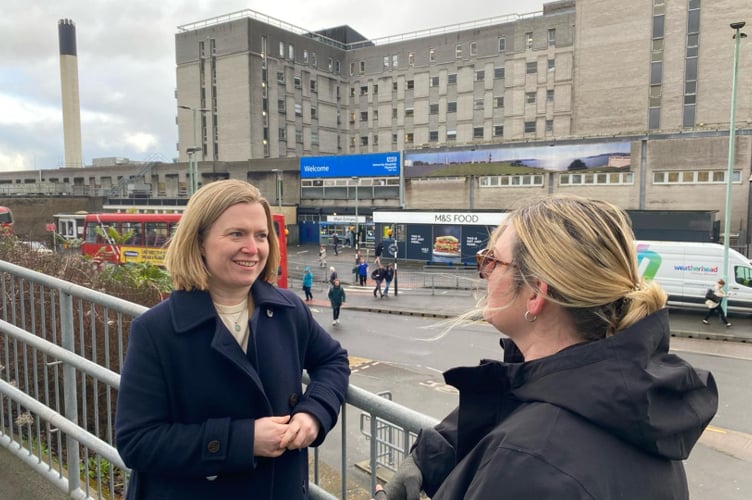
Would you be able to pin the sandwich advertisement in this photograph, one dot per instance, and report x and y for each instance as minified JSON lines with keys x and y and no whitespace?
{"x":445,"y":243}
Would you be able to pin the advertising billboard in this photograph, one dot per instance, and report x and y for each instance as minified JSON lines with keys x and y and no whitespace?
{"x":366,"y":165}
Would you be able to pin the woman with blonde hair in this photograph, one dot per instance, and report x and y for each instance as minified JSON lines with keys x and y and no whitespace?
{"x":211,"y":403}
{"x":588,"y":403}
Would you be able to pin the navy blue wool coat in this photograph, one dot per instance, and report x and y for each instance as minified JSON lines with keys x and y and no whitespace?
{"x":189,"y":397}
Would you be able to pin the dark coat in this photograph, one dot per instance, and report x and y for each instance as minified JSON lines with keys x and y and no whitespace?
{"x":337,"y":296}
{"x":189,"y":397}
{"x":611,"y":419}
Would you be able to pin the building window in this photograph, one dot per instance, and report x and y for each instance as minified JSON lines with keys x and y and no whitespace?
{"x":282,"y":49}
{"x":409,"y":137}
{"x":451,"y":135}
{"x":305,"y":56}
{"x":433,"y":81}
{"x":433,"y":109}
{"x":432,"y":55}
{"x":298,"y":109}
{"x":299,"y":136}
{"x":529,"y":127}
{"x":499,"y":73}
{"x":352,"y":68}
{"x":473,"y":49}
{"x":281,"y":105}
{"x":551,"y":64}
{"x":499,"y":102}
{"x":502,"y":44}
{"x":410,"y":84}
{"x":549,"y":126}
{"x":291,"y":52}
{"x":313,"y":86}
{"x":364,"y":116}
{"x":352,"y":91}
{"x":364,"y":90}
{"x":433,"y":136}
{"x":375,"y":114}
{"x":330,"y":65}
{"x":529,"y":40}
{"x":480,"y":76}
{"x":314,"y":113}
{"x":552,"y":38}
{"x":458,"y":51}
{"x":296,"y":82}
{"x":314,"y":138}
{"x":409,"y":112}
{"x":281,"y":77}
{"x":375,"y":140}
{"x":375,"y":90}
{"x":656,"y":73}
{"x":477,"y":132}
{"x":549,"y":96}
{"x":478,"y":104}
{"x":532,"y":67}
{"x":314,"y":60}
{"x":530,"y":97}
{"x":364,"y":140}
{"x":411,"y":59}
{"x":386,"y":62}
{"x":282,"y":134}
{"x":362,"y":67}
{"x":498,"y":130}
{"x":654,"y":99}
{"x":452,"y":78}
{"x":394,"y":138}
{"x":452,"y":107}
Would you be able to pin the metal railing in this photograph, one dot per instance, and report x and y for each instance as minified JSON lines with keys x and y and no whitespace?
{"x":61,"y":348}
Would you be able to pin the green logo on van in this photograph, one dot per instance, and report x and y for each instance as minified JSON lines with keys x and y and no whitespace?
{"x":653,"y":258}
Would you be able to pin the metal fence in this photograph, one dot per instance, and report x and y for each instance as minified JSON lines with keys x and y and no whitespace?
{"x":61,"y":348}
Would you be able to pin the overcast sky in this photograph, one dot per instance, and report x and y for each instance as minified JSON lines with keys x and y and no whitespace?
{"x":126,"y":64}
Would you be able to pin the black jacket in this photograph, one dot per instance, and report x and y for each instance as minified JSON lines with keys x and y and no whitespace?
{"x":603,"y":420}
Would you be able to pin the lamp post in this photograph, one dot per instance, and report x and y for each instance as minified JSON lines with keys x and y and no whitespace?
{"x":357,"y":232}
{"x":192,"y":160}
{"x":738,"y":35}
{"x":278,"y":174}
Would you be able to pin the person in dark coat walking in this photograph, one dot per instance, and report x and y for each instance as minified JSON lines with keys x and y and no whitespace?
{"x":378,"y":277}
{"x":717,"y":307}
{"x":335,"y":243}
{"x":336,"y":298}
{"x":211,"y":404}
{"x":388,"y":277}
{"x":588,"y":402}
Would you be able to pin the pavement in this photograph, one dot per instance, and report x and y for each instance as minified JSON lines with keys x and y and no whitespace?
{"x":450,"y":292}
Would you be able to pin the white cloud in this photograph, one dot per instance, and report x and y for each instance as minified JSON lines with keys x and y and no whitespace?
{"x":126,"y":64}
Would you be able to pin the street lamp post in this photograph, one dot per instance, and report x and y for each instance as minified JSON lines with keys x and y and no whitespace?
{"x":738,"y":35}
{"x":278,"y":179}
{"x":192,"y":160}
{"x":357,"y":233}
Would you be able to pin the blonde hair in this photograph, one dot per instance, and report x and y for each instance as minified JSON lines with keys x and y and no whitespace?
{"x":584,"y":250}
{"x":184,"y":259}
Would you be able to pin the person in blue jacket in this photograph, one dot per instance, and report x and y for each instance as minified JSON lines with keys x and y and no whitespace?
{"x":587,"y":403}
{"x":211,"y":403}
{"x":307,"y":283}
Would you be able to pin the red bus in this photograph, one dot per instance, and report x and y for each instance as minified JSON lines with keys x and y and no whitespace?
{"x":6,"y":221}
{"x":148,"y":235}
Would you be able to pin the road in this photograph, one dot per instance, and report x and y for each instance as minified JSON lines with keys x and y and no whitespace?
{"x":405,"y":356}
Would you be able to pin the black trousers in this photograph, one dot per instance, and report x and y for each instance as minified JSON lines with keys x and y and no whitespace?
{"x":717,"y":309}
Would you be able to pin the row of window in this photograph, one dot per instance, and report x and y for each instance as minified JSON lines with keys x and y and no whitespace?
{"x":611,"y":178}
{"x":288,"y":51}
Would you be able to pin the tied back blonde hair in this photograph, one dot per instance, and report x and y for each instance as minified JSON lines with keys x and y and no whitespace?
{"x":584,"y":250}
{"x":184,"y":259}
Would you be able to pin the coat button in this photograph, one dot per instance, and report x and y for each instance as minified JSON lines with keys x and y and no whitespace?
{"x":213,"y":446}
{"x":269,"y":313}
{"x":293,"y":400}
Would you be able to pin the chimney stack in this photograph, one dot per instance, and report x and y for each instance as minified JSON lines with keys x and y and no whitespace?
{"x":66,"y":31}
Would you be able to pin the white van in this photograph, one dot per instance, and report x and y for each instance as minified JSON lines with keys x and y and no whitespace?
{"x":686,"y":270}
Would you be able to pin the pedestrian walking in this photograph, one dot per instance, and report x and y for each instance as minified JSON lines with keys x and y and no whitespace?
{"x":714,"y":304}
{"x":378,"y":277}
{"x":335,"y":243}
{"x":378,"y":252}
{"x":363,"y":272}
{"x":332,"y":276}
{"x":322,"y":256}
{"x":307,"y":283}
{"x":388,"y":277}
{"x":336,"y":298}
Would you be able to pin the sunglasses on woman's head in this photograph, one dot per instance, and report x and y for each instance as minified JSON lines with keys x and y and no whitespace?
{"x":486,"y":262}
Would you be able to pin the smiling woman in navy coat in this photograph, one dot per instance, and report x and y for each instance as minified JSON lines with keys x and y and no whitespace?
{"x":211,"y":403}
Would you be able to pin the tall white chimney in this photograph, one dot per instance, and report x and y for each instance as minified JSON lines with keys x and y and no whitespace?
{"x":66,"y":31}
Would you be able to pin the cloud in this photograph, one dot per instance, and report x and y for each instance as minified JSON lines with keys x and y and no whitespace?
{"x":126,"y":65}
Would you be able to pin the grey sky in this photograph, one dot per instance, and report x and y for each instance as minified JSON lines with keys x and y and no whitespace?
{"x":126,"y":64}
